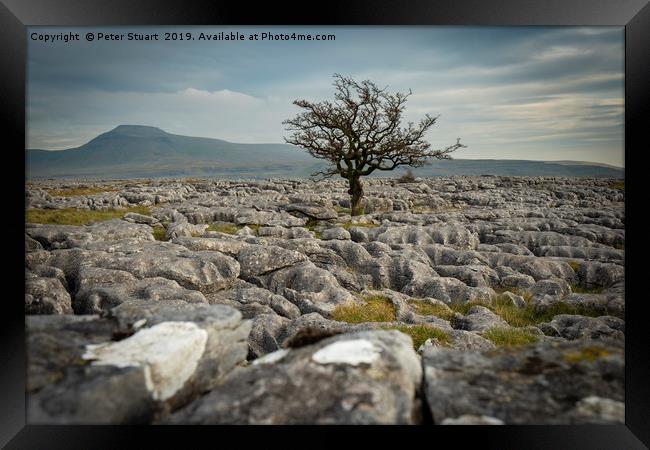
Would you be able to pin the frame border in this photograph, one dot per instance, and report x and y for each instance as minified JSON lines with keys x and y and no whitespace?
{"x":16,"y":15}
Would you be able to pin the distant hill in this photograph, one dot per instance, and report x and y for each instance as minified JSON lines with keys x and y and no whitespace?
{"x":136,"y":151}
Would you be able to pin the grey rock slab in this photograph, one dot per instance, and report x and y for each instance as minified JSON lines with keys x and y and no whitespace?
{"x":307,"y":323}
{"x":265,"y":334}
{"x":554,"y":287}
{"x":310,"y":288}
{"x":318,"y":212}
{"x":479,"y":318}
{"x":140,"y":218}
{"x":69,"y":236}
{"x":246,"y":293}
{"x":591,"y":253}
{"x":572,"y":327}
{"x":541,"y":384}
{"x":184,"y":229}
{"x":99,"y":289}
{"x":46,"y":296}
{"x":596,"y":274}
{"x":268,"y":218}
{"x":368,"y":377}
{"x":259,"y":260}
{"x":447,"y":289}
{"x":32,"y":244}
{"x":230,"y":246}
{"x":471,"y":275}
{"x":285,"y":233}
{"x":456,"y":237}
{"x":140,"y":362}
{"x":336,"y":233}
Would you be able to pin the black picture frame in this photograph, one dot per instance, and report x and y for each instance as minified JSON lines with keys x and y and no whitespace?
{"x":15,"y":15}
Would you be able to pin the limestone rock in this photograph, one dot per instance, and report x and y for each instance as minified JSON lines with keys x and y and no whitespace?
{"x":542,"y":384}
{"x":367,"y":377}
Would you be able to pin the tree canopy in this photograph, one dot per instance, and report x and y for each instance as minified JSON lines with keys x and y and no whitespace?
{"x":360,"y":132}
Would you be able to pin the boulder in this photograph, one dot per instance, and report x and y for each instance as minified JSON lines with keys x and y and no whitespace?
{"x":143,"y":360}
{"x":46,"y":296}
{"x":545,"y":384}
{"x":572,"y":327}
{"x":367,"y":377}
{"x":479,"y":318}
{"x":336,"y":233}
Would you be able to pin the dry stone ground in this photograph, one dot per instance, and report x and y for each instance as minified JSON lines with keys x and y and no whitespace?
{"x":248,"y":305}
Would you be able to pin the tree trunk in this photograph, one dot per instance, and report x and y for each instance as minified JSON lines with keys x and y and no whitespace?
{"x":356,"y":195}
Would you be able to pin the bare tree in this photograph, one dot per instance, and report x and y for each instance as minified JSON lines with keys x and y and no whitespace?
{"x":359,"y":132}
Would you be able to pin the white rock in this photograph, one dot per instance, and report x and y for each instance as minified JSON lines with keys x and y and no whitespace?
{"x":469,"y":419}
{"x":605,"y":408}
{"x":169,"y":352}
{"x":353,"y":352}
{"x":272,"y":357}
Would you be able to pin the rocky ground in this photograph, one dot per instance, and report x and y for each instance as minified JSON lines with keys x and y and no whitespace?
{"x":462,"y":300}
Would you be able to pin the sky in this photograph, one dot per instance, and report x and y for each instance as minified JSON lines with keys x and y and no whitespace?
{"x":538,"y":93}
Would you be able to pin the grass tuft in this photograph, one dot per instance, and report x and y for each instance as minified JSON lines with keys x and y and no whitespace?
{"x":510,"y":337}
{"x":228,"y":228}
{"x":223,"y":228}
{"x":74,"y":216}
{"x":575,"y":265}
{"x":377,"y":308}
{"x":503,"y":307}
{"x":432,"y":309}
{"x":420,"y":333}
{"x":584,"y":290}
{"x":159,"y":234}
{"x":311,"y":223}
{"x":617,"y":185}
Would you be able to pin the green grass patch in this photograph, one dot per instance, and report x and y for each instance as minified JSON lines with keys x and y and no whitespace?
{"x":617,"y":185}
{"x":516,"y":317}
{"x":575,"y":265}
{"x":159,"y":234}
{"x":510,"y":337}
{"x":521,"y":317}
{"x":420,"y":333}
{"x":513,"y":315}
{"x":342,"y":210}
{"x":74,"y":216}
{"x":228,"y":228}
{"x":431,"y":309}
{"x":376,"y":308}
{"x":311,"y":223}
{"x":583,"y":290}
{"x":76,"y":192}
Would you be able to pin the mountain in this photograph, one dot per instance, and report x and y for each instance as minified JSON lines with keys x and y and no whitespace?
{"x":136,"y":151}
{"x":143,"y":151}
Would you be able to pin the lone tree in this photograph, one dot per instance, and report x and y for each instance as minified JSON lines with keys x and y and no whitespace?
{"x":360,"y":132}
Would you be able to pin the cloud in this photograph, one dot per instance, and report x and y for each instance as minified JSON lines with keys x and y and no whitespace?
{"x":220,"y":97}
{"x":536,"y":93}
